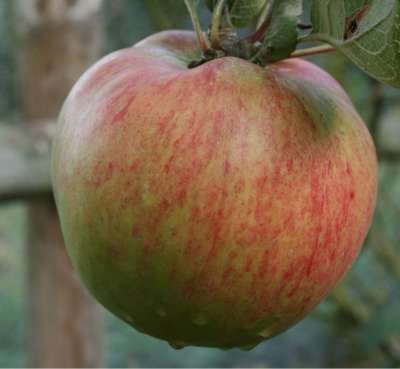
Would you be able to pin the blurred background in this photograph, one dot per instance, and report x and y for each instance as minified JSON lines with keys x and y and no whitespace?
{"x":46,"y":318}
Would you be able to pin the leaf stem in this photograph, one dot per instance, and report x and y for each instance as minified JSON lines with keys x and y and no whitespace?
{"x":216,"y":24}
{"x":203,"y":42}
{"x":264,"y":25}
{"x":313,"y":51}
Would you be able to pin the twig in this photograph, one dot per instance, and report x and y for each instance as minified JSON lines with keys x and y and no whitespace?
{"x":25,"y":161}
{"x":216,"y":24}
{"x":313,"y":51}
{"x":203,"y":42}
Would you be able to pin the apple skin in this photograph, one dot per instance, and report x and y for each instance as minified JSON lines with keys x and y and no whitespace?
{"x":214,"y":206}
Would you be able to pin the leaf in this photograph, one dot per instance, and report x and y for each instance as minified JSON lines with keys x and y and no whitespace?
{"x":366,"y":31}
{"x":242,"y":12}
{"x":281,"y":37}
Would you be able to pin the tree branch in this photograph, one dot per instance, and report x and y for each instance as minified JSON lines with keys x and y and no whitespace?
{"x":388,"y":156}
{"x":25,"y":161}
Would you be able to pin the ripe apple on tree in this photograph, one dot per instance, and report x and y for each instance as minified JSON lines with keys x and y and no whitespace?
{"x":213,"y":195}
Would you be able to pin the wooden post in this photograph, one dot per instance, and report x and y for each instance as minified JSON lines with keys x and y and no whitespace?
{"x":58,"y":40}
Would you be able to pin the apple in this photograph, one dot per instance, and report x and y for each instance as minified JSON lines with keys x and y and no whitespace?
{"x":214,"y":206}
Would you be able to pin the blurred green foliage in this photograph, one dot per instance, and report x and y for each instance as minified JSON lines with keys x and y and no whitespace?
{"x":358,"y":325}
{"x":12,"y":289}
{"x":7,"y":64}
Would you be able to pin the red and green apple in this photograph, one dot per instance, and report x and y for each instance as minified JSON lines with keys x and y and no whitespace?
{"x":211,"y":206}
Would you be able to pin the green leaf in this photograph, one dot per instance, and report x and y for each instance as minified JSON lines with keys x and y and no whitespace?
{"x":242,"y":12}
{"x":281,"y":37}
{"x":366,"y":31}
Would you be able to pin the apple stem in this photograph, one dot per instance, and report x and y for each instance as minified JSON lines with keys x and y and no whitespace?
{"x":202,"y":40}
{"x":264,"y":24}
{"x":313,"y":51}
{"x":216,"y":25}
